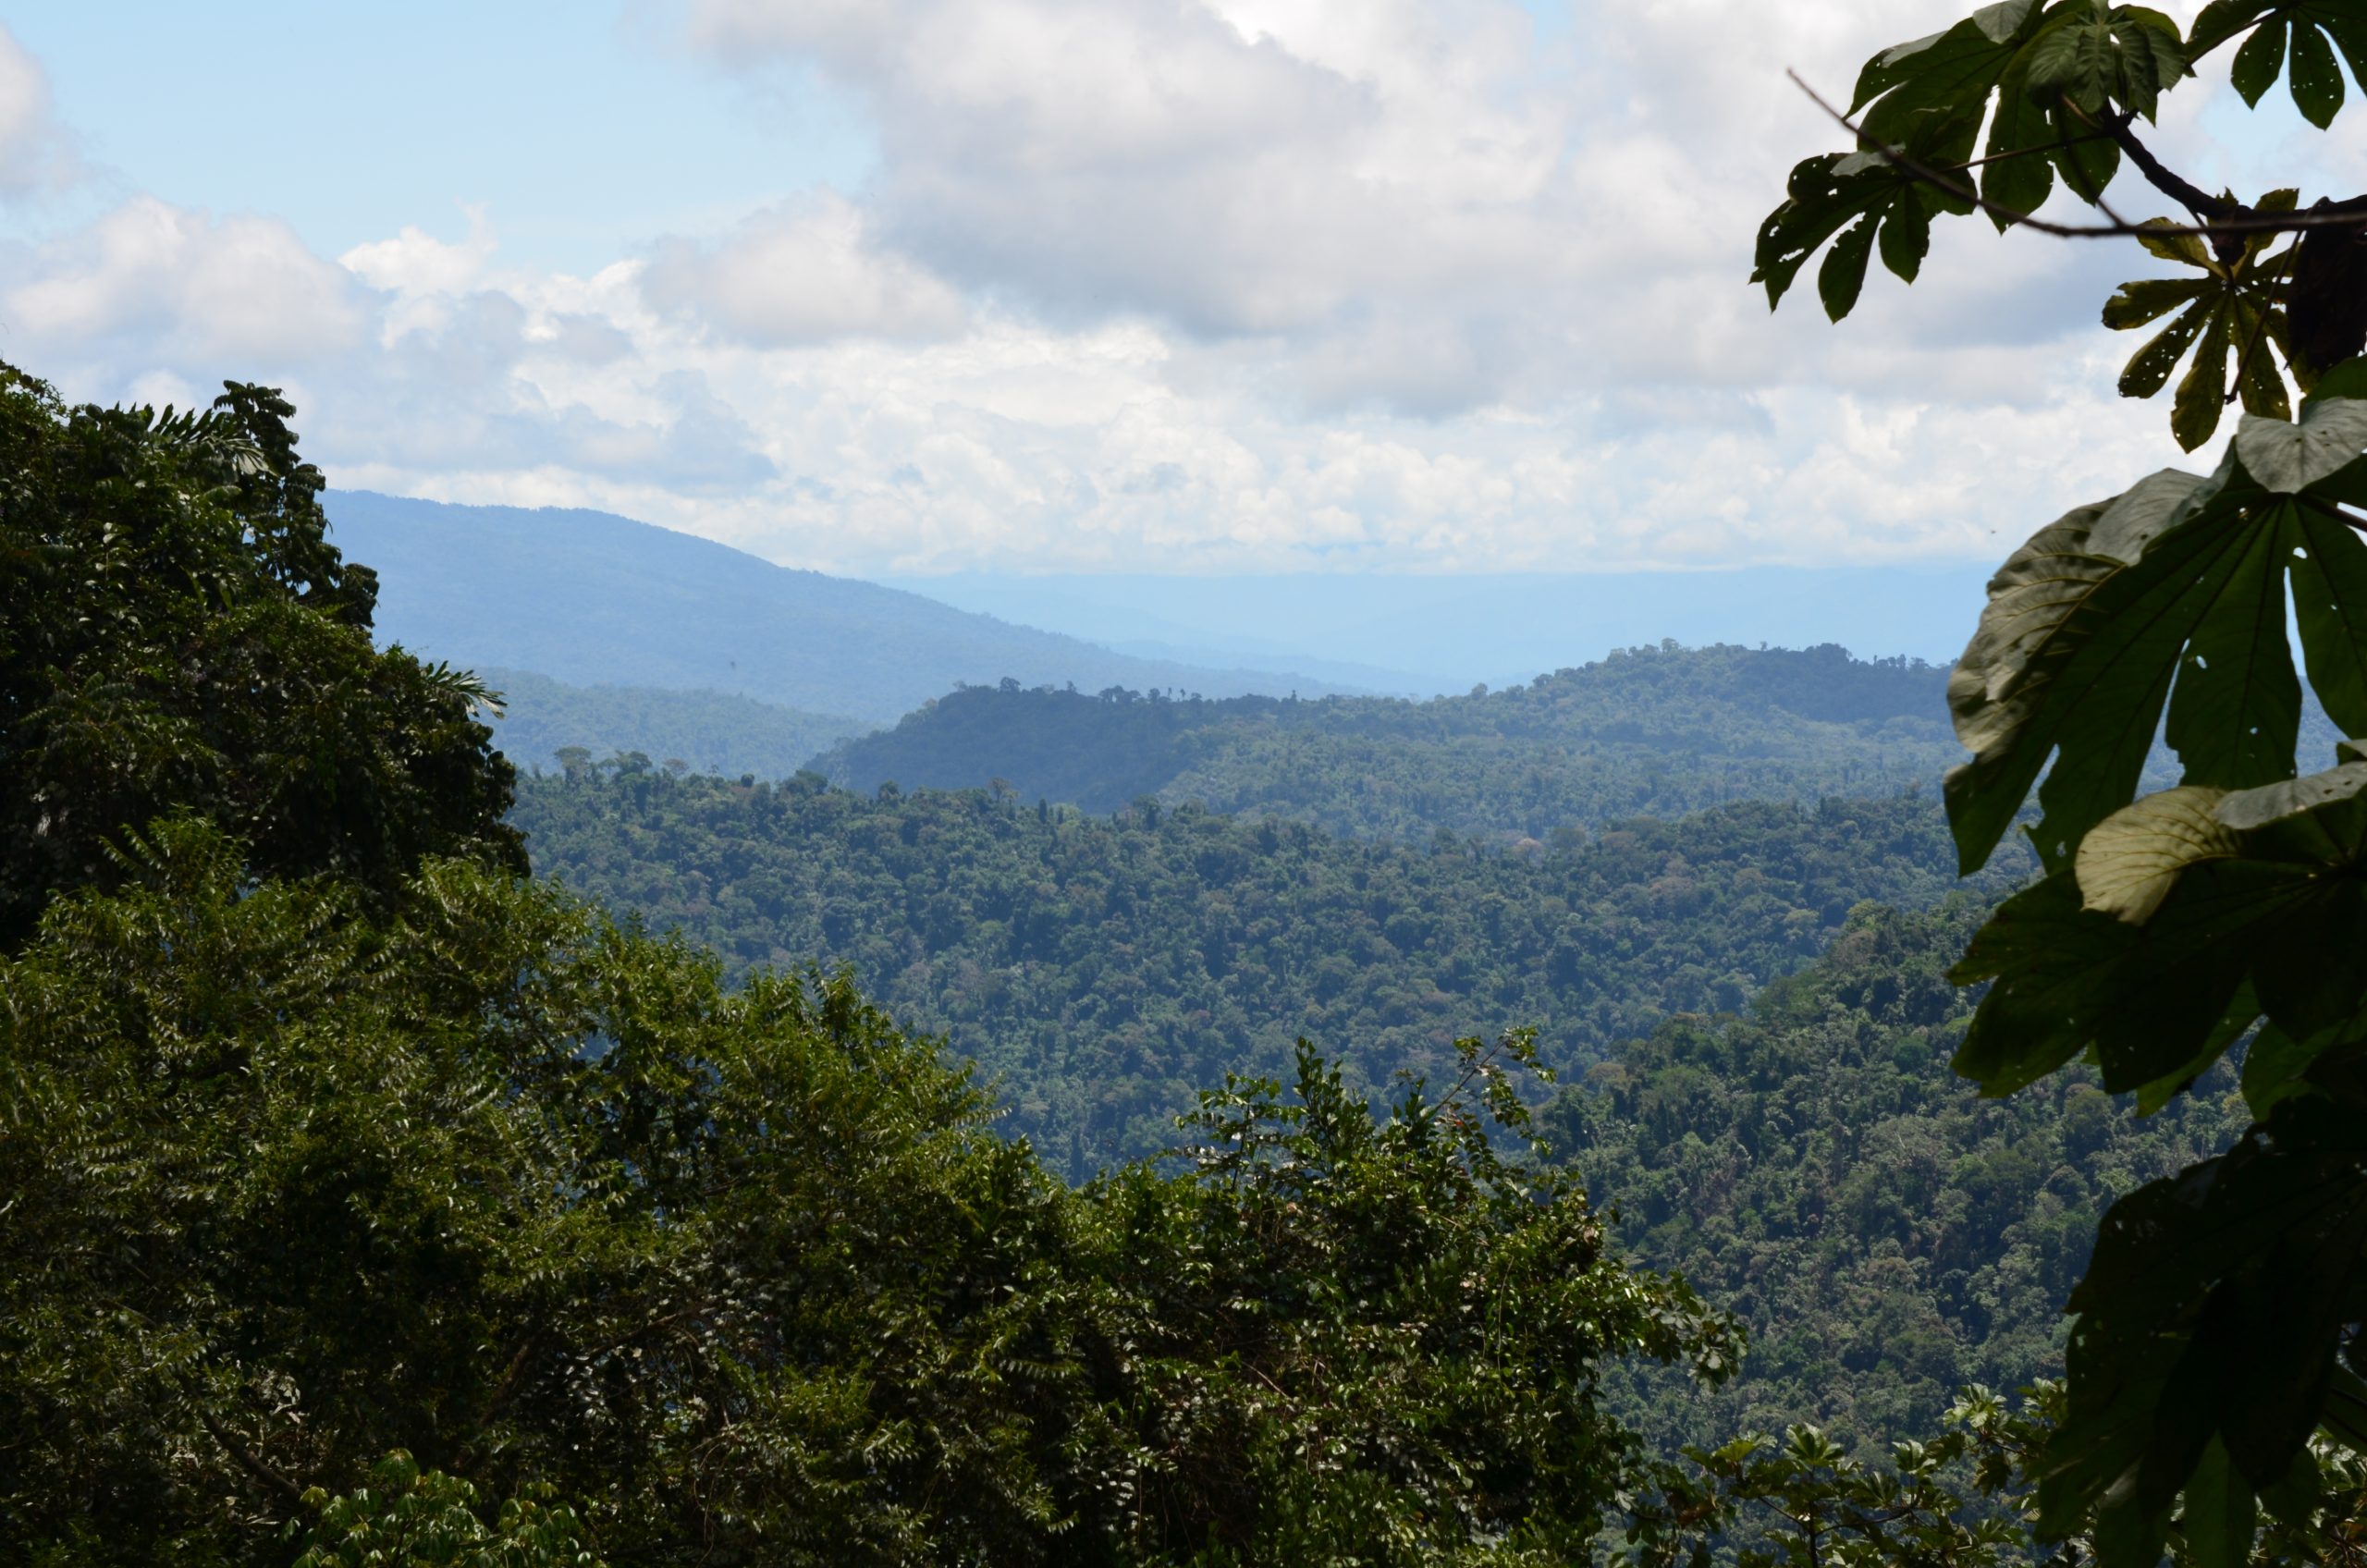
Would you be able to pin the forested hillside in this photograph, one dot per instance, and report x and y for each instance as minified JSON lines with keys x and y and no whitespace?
{"x":364,"y":1201}
{"x":1102,"y":969}
{"x":1814,"y":1166}
{"x":1649,"y":732}
{"x":710,"y":731}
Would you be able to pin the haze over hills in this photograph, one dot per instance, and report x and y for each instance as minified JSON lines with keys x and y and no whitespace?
{"x":1423,"y":634}
{"x":592,"y":599}
{"x":1652,"y":731}
{"x":706,"y":731}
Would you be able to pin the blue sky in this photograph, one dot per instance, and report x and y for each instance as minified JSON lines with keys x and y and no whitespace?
{"x":916,"y":287}
{"x":587,"y":127}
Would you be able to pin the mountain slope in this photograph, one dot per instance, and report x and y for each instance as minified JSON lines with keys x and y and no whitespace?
{"x":711,"y":732}
{"x":592,"y":598}
{"x":1652,"y":731}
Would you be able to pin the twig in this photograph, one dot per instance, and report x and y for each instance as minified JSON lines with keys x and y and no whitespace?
{"x":2025,"y":152}
{"x":248,"y":1461}
{"x":2326,"y":508}
{"x":2260,"y":329}
{"x":2075,"y":177}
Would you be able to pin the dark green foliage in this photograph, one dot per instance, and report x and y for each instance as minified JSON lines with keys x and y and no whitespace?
{"x":1649,"y":732}
{"x":177,"y":635}
{"x":706,"y":731}
{"x":678,"y":1274}
{"x":2220,"y":1320}
{"x":2171,"y":926}
{"x":1816,"y":1167}
{"x":1100,"y":969}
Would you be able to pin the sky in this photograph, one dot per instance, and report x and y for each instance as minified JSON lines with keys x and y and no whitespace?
{"x":1149,"y":287}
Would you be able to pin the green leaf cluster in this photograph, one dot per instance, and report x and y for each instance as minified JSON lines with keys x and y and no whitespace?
{"x":2038,"y":77}
{"x":180,"y":635}
{"x":736,"y":1274}
{"x":2057,"y":87}
{"x":2297,"y":39}
{"x":2213,"y":1321}
{"x":2231,"y":320}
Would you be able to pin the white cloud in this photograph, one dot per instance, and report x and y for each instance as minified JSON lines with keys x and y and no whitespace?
{"x":155,"y":281}
{"x":36,"y":152}
{"x":416,"y":262}
{"x":1158,"y":284}
{"x":802,"y":274}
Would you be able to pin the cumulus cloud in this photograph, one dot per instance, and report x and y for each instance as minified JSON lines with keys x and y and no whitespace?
{"x":1419,"y":206}
{"x":798,"y":275}
{"x":37,"y":154}
{"x":165,"y":283}
{"x":415,"y":262}
{"x":1196,"y":284}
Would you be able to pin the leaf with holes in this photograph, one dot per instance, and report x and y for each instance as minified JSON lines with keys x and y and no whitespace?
{"x":2230,"y":321}
{"x":2180,"y":580}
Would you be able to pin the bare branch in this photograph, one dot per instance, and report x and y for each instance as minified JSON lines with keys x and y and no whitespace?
{"x":2255,"y":222}
{"x":2342,"y":515}
{"x":2025,"y":152}
{"x":248,"y":1460}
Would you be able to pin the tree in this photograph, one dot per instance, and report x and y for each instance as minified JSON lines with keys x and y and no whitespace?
{"x":491,"y":1230}
{"x":182,"y":636}
{"x":2217,"y":1327}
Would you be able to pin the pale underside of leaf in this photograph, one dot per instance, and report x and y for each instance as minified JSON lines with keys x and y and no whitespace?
{"x":2248,"y":808}
{"x":2288,"y":457}
{"x":2128,"y":862}
{"x":2002,"y":693}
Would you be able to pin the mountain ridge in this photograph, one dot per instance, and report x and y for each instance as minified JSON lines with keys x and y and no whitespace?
{"x":592,"y":599}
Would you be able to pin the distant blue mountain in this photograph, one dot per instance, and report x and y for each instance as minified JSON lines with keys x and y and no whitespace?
{"x":1433,"y":632}
{"x":594,"y":599}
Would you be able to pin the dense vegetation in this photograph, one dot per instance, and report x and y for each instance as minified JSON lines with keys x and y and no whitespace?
{"x":2222,"y":1322}
{"x":700,"y":1276}
{"x":711,"y":732}
{"x":1812,"y":1165}
{"x":1649,"y":732}
{"x":1102,"y":968}
{"x":625,"y":602}
{"x":179,"y":636}
{"x":361,"y":1202}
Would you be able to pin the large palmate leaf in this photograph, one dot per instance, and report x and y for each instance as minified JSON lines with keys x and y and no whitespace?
{"x":2231,"y":320}
{"x":2177,"y":906}
{"x":2210,"y":1318}
{"x":2205,"y":1353}
{"x":2180,"y":581}
{"x":2296,"y":39}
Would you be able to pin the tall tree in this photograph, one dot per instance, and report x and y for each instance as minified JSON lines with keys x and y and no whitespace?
{"x":180,"y":636}
{"x":2217,"y":1327}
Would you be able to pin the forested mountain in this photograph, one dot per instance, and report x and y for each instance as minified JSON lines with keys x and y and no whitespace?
{"x":1648,"y":732}
{"x":592,"y":598}
{"x":364,"y":1201}
{"x":711,"y":732}
{"x":1814,"y":1166}
{"x":1103,"y":969}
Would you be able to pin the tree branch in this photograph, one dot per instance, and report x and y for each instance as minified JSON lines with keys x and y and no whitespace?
{"x":2326,"y":508}
{"x":2250,"y":223}
{"x":2177,"y":187}
{"x":248,"y":1460}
